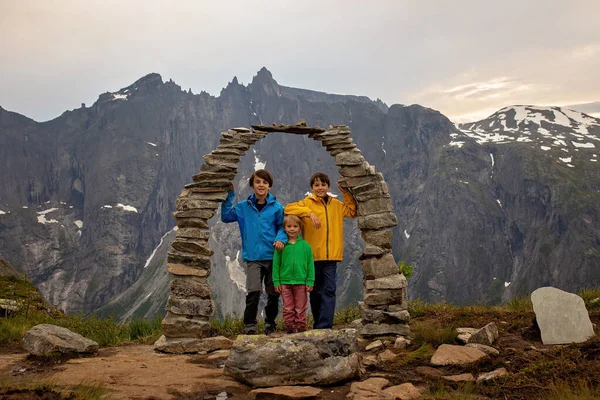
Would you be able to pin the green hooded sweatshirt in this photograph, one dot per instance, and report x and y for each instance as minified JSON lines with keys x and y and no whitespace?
{"x":294,"y":265}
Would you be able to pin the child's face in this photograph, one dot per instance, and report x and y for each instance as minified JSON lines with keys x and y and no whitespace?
{"x":292,"y":229}
{"x":261,"y":187}
{"x":319,"y":188}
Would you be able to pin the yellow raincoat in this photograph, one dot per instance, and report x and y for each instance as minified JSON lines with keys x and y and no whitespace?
{"x":326,"y":242}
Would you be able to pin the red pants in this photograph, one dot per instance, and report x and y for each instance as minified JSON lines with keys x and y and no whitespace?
{"x":295,"y":300}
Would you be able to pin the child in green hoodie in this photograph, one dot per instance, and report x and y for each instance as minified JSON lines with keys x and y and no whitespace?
{"x":294,"y":275}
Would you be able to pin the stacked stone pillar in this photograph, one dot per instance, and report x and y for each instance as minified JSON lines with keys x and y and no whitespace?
{"x":384,"y":309}
{"x":190,"y":306}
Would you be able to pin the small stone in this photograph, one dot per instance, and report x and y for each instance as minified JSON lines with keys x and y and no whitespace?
{"x":376,"y":345}
{"x":190,"y":306}
{"x":491,"y":375}
{"x":463,"y":337}
{"x":285,"y":393}
{"x":387,"y":356}
{"x":368,"y":389}
{"x":405,"y":391}
{"x":380,"y":237}
{"x":401,"y":343}
{"x":374,"y":268}
{"x":459,"y":378}
{"x":218,"y":354}
{"x":384,"y":329}
{"x":448,"y":354}
{"x":466,"y":330}
{"x":486,"y":335}
{"x":486,"y":349}
{"x":394,"y":281}
{"x":369,"y":360}
{"x":378,"y":221}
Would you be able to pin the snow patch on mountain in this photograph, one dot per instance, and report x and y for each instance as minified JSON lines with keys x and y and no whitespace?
{"x":42,"y":217}
{"x":550,"y":127}
{"x":236,"y":272}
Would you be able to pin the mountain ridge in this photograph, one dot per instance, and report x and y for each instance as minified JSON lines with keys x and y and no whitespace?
{"x":118,"y":165}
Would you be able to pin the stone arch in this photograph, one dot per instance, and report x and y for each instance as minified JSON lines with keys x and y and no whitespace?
{"x":189,"y":307}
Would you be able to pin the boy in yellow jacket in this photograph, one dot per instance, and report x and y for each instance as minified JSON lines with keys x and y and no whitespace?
{"x":323,"y":228}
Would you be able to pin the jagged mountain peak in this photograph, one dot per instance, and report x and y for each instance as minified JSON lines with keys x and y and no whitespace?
{"x":263,"y":76}
{"x":152,"y":77}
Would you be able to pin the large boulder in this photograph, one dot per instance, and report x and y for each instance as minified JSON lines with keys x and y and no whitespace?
{"x":318,"y":357}
{"x":45,"y":340}
{"x":561,"y":316}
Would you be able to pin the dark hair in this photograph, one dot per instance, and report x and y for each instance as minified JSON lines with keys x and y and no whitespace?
{"x":322,"y":176}
{"x":263,"y":174}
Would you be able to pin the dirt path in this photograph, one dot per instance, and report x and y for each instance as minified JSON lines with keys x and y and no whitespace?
{"x":131,"y":372}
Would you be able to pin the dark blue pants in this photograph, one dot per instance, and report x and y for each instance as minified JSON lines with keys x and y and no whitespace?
{"x":322,"y":298}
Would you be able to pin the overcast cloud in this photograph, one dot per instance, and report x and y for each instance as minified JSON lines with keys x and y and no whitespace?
{"x":466,"y":59}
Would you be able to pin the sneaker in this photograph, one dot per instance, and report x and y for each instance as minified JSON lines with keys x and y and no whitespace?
{"x":250,"y":330}
{"x":269,"y":329}
{"x":290,"y":331}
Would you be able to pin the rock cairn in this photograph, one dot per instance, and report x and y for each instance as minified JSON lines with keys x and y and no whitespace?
{"x":189,"y":307}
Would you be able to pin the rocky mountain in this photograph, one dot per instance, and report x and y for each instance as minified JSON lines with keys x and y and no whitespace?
{"x":486,"y":210}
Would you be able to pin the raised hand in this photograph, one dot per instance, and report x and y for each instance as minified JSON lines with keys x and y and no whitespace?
{"x":315,"y":220}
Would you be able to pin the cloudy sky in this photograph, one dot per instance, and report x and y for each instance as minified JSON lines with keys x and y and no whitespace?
{"x":464,"y":58}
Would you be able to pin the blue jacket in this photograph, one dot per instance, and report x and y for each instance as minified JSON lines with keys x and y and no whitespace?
{"x":259,"y":230}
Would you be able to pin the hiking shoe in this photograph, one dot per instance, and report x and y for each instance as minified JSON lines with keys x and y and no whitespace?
{"x":290,"y":331}
{"x":269,"y":329}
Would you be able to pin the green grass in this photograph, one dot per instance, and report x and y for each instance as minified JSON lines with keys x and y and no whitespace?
{"x":346,"y":315}
{"x":33,"y":311}
{"x":579,"y":390}
{"x":519,"y":304}
{"x":591,"y":298}
{"x":423,"y":333}
{"x":83,"y":391}
{"x":420,"y":308}
{"x":106,"y":332}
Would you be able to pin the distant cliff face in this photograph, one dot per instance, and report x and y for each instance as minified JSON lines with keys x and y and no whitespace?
{"x":485,"y":211}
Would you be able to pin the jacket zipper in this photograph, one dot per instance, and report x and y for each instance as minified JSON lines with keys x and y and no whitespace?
{"x":326,"y":231}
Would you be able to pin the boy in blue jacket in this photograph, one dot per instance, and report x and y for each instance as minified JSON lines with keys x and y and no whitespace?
{"x":260,"y":219}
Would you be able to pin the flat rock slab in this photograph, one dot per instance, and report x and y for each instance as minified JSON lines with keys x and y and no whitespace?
{"x":460,"y":378}
{"x":561,"y":316}
{"x":45,"y":340}
{"x":192,"y":345}
{"x":448,"y":354}
{"x":317,"y":357}
{"x":285,"y":393}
